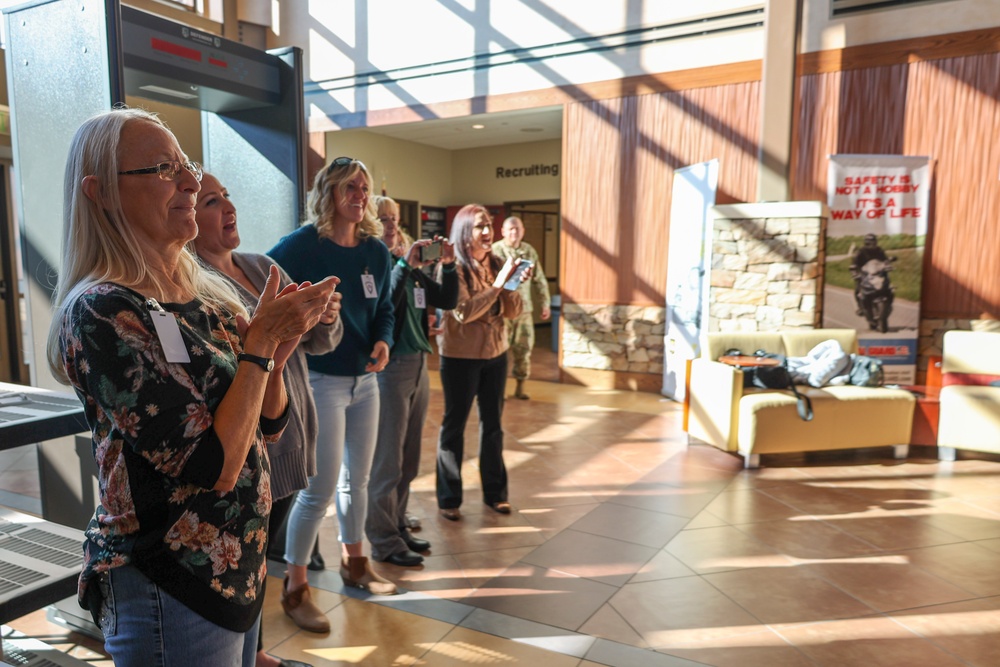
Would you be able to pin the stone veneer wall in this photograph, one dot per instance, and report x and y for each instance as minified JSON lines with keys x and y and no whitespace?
{"x":766,"y":266}
{"x":613,"y":338}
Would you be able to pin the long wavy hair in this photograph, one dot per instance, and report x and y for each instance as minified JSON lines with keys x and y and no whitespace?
{"x":98,"y":244}
{"x":461,"y":231}
{"x":321,"y":204}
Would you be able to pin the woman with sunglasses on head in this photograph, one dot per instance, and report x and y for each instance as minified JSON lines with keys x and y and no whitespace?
{"x":340,"y":238}
{"x":473,"y":347}
{"x":293,"y":456}
{"x":182,"y":389}
{"x":404,"y":389}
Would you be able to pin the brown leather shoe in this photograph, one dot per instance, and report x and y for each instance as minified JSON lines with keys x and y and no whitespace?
{"x":358,"y":572}
{"x":299,"y":607}
{"x":451,"y":513}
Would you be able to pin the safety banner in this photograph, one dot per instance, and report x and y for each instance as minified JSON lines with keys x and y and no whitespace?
{"x":875,"y":255}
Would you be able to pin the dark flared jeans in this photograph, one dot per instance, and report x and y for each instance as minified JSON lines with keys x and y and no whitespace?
{"x":463,"y":380}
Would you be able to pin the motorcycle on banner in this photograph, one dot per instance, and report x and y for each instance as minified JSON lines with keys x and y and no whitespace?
{"x":875,"y":293}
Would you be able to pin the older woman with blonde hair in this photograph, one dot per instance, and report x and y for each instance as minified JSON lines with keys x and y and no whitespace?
{"x":181,"y":391}
{"x":395,"y":237}
{"x":341,"y":237}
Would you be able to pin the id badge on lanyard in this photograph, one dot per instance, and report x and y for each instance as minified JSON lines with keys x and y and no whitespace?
{"x":368,"y":285}
{"x":169,"y":333}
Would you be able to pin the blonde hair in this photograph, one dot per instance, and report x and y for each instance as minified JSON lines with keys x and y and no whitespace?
{"x":382,"y":203}
{"x":321,"y":205}
{"x":98,"y":244}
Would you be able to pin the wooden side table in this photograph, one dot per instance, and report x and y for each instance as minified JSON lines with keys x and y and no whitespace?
{"x":748,"y":361}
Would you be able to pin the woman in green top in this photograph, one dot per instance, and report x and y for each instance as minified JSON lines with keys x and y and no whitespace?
{"x":404,"y":389}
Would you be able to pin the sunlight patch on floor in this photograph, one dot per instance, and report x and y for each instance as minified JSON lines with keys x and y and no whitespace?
{"x":469,"y":654}
{"x":352,"y":655}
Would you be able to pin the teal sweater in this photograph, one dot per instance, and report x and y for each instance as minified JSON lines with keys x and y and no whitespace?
{"x":307,"y":256}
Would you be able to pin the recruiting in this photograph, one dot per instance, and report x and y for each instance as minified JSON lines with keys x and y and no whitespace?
{"x":533,"y":170}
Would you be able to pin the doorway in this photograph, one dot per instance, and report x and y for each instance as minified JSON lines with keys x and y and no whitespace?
{"x":409,"y":217}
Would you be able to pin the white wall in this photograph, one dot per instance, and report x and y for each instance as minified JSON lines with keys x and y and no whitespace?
{"x":410,"y":170}
{"x":476,"y":180}
{"x":437,"y":177}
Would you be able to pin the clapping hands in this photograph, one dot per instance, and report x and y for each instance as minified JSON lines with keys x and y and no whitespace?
{"x":281,"y":317}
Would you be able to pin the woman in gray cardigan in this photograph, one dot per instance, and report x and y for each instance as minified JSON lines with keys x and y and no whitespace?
{"x":293,"y":457}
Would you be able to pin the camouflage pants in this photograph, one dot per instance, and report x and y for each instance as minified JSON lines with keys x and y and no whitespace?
{"x":521,"y":334}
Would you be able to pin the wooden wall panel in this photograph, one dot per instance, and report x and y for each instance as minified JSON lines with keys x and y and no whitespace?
{"x":953,"y":113}
{"x":619,"y":156}
{"x":947,"y":109}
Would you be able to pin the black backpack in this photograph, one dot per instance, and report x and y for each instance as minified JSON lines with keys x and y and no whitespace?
{"x":777,"y":377}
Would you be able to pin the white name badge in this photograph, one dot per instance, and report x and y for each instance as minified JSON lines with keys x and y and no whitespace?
{"x":419,"y":297}
{"x":170,"y":337}
{"x":368,"y":284}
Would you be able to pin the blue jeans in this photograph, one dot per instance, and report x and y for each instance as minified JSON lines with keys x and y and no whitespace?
{"x":404,"y":391}
{"x":347,"y":408}
{"x":145,"y":627}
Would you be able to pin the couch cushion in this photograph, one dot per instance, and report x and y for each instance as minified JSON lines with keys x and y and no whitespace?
{"x":845,"y":417}
{"x":970,"y":418}
{"x":971,"y":352}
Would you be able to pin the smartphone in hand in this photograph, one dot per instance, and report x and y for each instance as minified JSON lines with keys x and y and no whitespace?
{"x":431,"y":252}
{"x":515,"y":278}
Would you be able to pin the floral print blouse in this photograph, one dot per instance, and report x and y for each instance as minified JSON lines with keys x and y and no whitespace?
{"x":158,"y":456}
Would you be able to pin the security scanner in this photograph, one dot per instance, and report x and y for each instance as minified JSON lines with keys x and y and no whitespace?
{"x":69,"y":59}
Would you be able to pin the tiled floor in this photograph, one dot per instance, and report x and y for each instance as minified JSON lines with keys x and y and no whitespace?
{"x":628,"y":547}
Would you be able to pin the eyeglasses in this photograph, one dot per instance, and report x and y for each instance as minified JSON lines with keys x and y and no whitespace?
{"x":169,"y":170}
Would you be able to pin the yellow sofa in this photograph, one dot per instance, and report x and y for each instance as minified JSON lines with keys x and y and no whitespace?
{"x":762,"y":421}
{"x":970,"y":407}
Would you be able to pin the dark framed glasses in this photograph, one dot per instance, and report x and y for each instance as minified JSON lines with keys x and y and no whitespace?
{"x":168,"y":170}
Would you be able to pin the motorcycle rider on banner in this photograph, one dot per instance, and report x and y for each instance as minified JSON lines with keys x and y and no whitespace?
{"x":869,"y":251}
{"x":871,"y":283}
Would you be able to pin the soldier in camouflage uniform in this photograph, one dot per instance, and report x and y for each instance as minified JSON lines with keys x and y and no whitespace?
{"x":521,"y":330}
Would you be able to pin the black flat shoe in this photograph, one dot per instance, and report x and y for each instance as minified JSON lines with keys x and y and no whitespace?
{"x":405,"y":558}
{"x":451,"y":513}
{"x":316,"y":562}
{"x":415,"y":543}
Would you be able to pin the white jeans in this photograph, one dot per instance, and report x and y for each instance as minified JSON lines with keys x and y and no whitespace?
{"x":348,"y":423}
